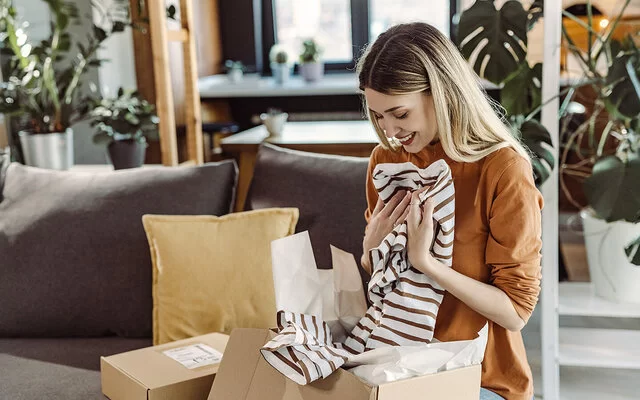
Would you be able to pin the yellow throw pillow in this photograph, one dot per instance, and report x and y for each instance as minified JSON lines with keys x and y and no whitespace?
{"x":213,"y":274}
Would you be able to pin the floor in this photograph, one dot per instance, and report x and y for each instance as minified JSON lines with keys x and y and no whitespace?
{"x":583,"y":383}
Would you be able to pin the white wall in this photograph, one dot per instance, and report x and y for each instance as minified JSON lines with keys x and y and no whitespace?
{"x":37,"y":13}
{"x":119,"y":71}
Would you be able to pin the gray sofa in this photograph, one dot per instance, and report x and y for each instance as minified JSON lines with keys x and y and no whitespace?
{"x":75,"y":270}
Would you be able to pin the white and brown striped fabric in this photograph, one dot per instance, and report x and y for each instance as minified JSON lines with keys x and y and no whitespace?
{"x":404,"y":302}
{"x":304,"y":349}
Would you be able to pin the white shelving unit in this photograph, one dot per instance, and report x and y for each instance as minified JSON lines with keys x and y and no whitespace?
{"x":592,"y":360}
{"x":597,"y":348}
{"x":577,"y":298}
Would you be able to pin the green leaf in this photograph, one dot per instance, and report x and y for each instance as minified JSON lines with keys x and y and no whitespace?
{"x":625,"y":93}
{"x":536,"y":11}
{"x":118,"y":26}
{"x":522,"y":91}
{"x":99,"y":33}
{"x":171,"y":12}
{"x":536,"y":137}
{"x":612,"y":188}
{"x":505,"y":34}
{"x":132,"y":119}
{"x":63,"y":21}
{"x":632,"y":251}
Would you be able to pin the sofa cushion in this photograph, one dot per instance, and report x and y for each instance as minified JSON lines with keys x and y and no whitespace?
{"x":328,"y":190}
{"x":57,"y":369}
{"x":75,"y":258}
{"x":213,"y":274}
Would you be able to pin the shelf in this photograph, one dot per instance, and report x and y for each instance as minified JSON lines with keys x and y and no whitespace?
{"x":577,"y":298}
{"x":604,"y":348}
{"x":254,"y":85}
{"x":583,"y":383}
{"x":592,"y":383}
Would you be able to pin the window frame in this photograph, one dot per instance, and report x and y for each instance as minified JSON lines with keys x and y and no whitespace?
{"x":359,"y":33}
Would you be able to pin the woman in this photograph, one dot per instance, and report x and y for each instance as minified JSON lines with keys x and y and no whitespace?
{"x":426,"y":104}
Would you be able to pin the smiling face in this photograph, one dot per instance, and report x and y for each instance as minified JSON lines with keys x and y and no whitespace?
{"x":409,"y":118}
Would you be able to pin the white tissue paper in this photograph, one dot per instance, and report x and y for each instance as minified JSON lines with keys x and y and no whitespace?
{"x":337,"y":297}
{"x":390,"y":364}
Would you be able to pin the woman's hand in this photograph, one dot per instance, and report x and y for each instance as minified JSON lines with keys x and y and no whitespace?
{"x":383,"y":219}
{"x":420,"y":233}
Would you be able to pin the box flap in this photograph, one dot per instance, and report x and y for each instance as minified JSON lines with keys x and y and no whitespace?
{"x":245,"y":375}
{"x":459,"y":384}
{"x":238,"y":366}
{"x":165,"y":371}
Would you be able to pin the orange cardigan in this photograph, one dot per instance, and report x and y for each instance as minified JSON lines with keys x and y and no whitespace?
{"x":497,"y":241}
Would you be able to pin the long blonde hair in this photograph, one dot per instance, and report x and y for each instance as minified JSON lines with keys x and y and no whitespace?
{"x":417,"y":58}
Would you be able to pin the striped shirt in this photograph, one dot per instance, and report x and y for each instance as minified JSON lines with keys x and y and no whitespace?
{"x":404,"y":302}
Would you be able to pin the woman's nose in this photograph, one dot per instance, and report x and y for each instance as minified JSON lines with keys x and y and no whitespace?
{"x":388,"y":130}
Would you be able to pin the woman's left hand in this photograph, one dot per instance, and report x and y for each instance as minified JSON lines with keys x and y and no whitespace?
{"x":420,"y":232}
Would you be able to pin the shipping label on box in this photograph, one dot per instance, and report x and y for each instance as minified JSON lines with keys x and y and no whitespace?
{"x":182,"y":369}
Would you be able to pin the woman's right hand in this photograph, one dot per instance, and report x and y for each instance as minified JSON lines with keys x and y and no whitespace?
{"x":383,"y":219}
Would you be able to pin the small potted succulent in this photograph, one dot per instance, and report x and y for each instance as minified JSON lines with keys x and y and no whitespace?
{"x":235,"y":70}
{"x":311,"y":65}
{"x":124,"y":124}
{"x":281,"y":64}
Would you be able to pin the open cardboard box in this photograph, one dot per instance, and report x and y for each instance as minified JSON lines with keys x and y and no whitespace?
{"x":245,"y":375}
{"x":183,"y":369}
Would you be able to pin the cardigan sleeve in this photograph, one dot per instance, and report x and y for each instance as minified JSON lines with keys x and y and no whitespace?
{"x":514,"y":242}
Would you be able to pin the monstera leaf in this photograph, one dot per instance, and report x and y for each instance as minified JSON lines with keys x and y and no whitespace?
{"x":633,"y":255}
{"x":499,"y":37}
{"x":536,"y":137}
{"x":624,"y":99}
{"x":536,"y":11}
{"x":612,"y":188}
{"x":522,"y":91}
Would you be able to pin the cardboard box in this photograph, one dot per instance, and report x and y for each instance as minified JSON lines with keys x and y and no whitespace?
{"x":245,"y":375}
{"x":184,"y":369}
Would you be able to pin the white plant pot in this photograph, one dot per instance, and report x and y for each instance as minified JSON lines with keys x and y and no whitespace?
{"x":312,"y":72}
{"x":281,"y":72}
{"x":614,"y":277}
{"x":274,"y":123}
{"x":235,"y":75}
{"x":48,"y":150}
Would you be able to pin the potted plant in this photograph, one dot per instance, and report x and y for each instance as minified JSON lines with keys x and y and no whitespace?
{"x":502,"y":60}
{"x":235,"y":70}
{"x":311,"y":66}
{"x":124,"y":124}
{"x":602,"y":151}
{"x":43,"y":89}
{"x":280,"y":63}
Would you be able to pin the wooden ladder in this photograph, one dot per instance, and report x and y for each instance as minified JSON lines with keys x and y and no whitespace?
{"x":160,"y":37}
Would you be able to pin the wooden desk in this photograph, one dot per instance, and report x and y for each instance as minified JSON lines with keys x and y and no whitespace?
{"x":348,"y":138}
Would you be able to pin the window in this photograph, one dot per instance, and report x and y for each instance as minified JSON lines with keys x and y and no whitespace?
{"x":386,"y":13}
{"x":327,"y":21}
{"x":344,"y":27}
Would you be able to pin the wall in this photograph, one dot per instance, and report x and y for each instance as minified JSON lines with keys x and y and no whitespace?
{"x":85,"y":151}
